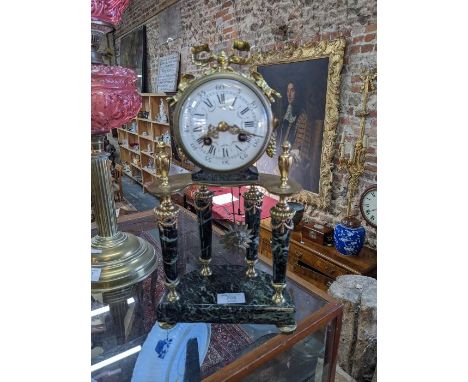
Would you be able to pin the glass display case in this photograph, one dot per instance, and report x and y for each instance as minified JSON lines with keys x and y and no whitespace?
{"x":127,"y":343}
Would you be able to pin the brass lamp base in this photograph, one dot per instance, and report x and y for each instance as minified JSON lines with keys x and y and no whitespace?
{"x":124,"y":260}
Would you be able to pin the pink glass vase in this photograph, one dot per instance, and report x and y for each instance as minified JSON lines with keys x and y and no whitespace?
{"x":108,"y":11}
{"x":114,"y":97}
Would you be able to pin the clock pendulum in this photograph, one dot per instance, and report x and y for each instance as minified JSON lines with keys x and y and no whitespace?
{"x":223,"y":123}
{"x":239,"y":212}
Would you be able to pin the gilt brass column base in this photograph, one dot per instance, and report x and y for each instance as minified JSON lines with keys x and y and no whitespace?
{"x":287,"y":329}
{"x":172,"y":294}
{"x":165,"y":325}
{"x":251,"y":272}
{"x":205,"y":270}
{"x":278,"y":297}
{"x":124,"y":260}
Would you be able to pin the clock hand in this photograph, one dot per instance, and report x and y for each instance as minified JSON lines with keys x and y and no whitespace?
{"x":234,"y":129}
{"x":213,"y":131}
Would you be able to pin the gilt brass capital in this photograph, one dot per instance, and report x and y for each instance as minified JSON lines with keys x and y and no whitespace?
{"x":167,"y":213}
{"x":203,"y":196}
{"x":253,"y":199}
{"x":281,"y":215}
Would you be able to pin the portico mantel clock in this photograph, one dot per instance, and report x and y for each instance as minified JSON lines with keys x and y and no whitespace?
{"x":223,"y":123}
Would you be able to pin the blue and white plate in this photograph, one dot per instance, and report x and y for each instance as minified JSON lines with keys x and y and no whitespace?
{"x":162,"y":357}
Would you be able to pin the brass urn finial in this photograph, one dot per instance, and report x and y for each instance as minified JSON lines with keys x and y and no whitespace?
{"x":162,"y":162}
{"x":284,"y":163}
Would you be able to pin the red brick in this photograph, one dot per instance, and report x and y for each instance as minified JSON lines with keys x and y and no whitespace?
{"x":356,"y":88}
{"x":344,"y":121}
{"x":227,"y":4}
{"x":370,"y":37}
{"x":227,"y":30}
{"x":358,"y":39}
{"x":221,"y":13}
{"x":227,"y":17}
{"x":371,"y":159}
{"x":371,"y":28}
{"x":367,"y":48}
{"x":371,"y":150}
{"x":355,"y":49}
{"x":370,"y":168}
{"x":355,"y":79}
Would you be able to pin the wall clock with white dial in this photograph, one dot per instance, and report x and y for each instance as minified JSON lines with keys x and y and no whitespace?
{"x":368,"y":205}
{"x":223,"y":122}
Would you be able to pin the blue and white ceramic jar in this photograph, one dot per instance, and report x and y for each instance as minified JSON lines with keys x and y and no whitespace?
{"x":349,"y":236}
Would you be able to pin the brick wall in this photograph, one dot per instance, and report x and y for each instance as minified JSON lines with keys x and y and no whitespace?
{"x":217,"y":22}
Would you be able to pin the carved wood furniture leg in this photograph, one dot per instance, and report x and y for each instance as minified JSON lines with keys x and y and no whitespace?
{"x":281,"y":223}
{"x":203,"y":206}
{"x":166,"y":217}
{"x":253,"y":200}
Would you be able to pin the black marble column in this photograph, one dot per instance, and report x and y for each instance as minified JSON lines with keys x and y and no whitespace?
{"x":253,"y":200}
{"x":281,"y":223}
{"x":166,"y":216}
{"x":168,"y":236}
{"x":203,"y":205}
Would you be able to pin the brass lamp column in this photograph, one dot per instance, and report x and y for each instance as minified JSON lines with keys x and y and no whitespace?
{"x":122,"y":258}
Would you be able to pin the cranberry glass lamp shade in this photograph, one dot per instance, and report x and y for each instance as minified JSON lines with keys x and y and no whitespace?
{"x":109,"y":11}
{"x":114,"y":97}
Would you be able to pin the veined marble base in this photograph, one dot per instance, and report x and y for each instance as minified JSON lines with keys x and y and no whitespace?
{"x":198,"y":300}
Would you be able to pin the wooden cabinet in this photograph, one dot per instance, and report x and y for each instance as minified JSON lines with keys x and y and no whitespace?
{"x":137,"y":139}
{"x":319,"y":264}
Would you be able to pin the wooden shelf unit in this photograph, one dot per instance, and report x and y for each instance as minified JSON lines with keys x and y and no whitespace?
{"x":137,"y":139}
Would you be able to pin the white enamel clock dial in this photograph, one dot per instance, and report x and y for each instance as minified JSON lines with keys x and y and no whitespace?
{"x":224,"y":124}
{"x":369,"y":206}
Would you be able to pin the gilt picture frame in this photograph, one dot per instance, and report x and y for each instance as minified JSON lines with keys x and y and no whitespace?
{"x":308,"y":78}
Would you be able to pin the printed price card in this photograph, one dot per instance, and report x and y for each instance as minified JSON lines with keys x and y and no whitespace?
{"x":231,"y":298}
{"x":95,"y":274}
